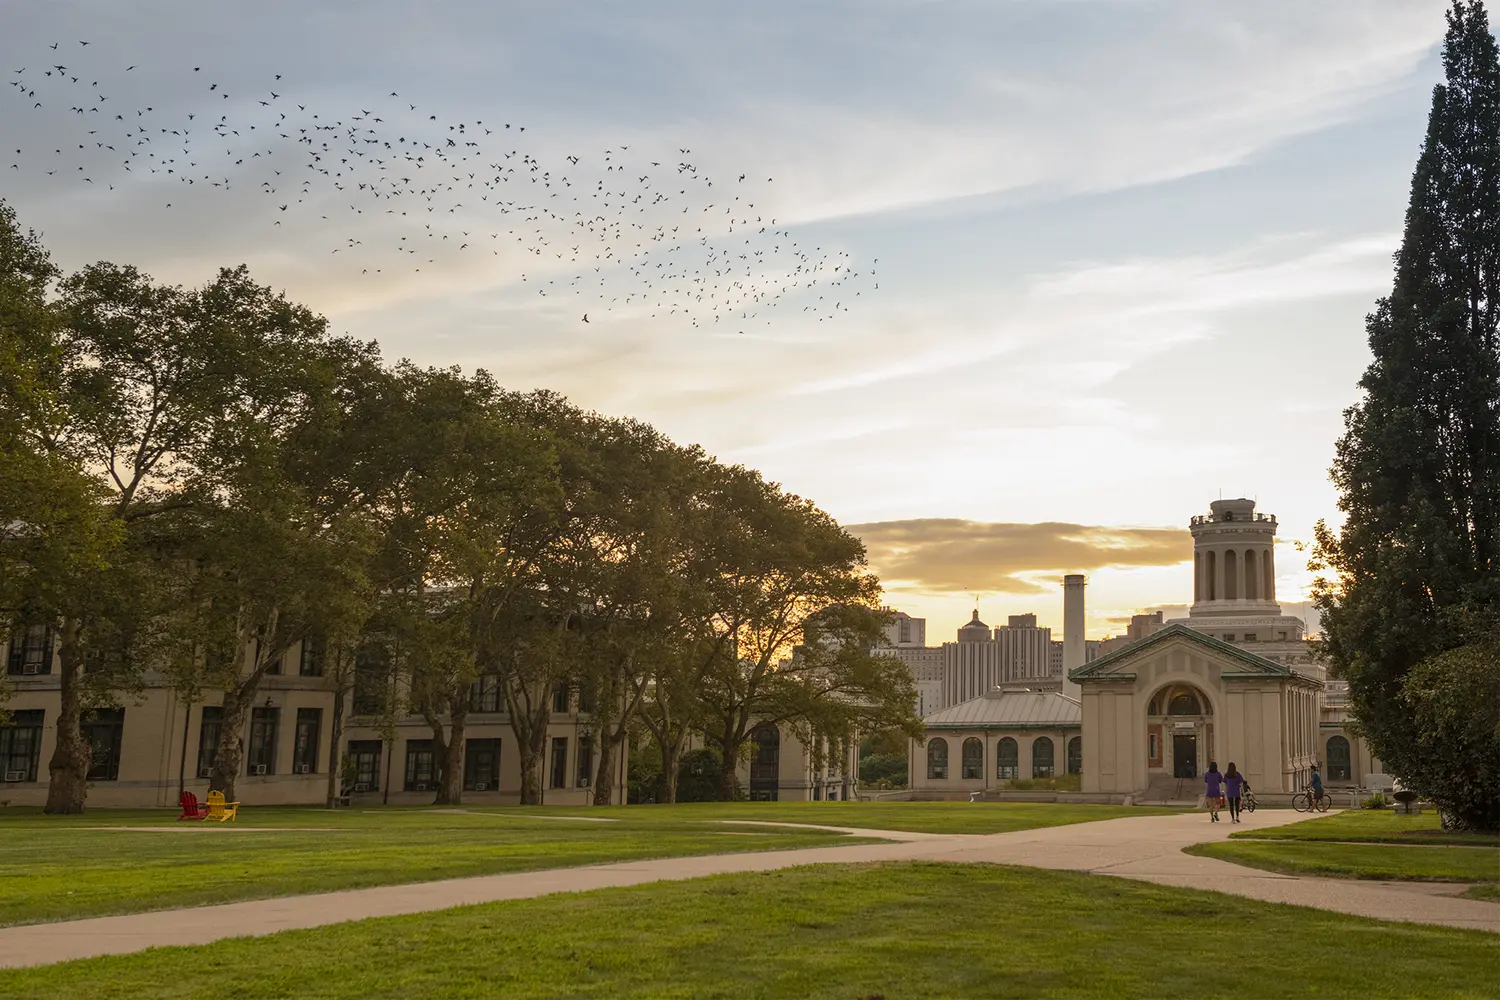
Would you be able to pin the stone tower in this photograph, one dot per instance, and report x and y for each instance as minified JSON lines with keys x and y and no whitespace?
{"x":1234,"y":562}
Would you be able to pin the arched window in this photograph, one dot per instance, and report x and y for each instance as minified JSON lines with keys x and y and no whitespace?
{"x":1007,"y":759}
{"x":937,"y":758}
{"x":1154,"y":708}
{"x":1184,"y":703}
{"x":1075,"y":755}
{"x":1252,"y":575}
{"x":1213,"y":576}
{"x":1041,"y":757}
{"x":973,"y":758}
{"x":1338,"y":759}
{"x":1231,"y":576}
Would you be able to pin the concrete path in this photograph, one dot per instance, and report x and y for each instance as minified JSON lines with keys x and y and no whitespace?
{"x":1147,"y":848}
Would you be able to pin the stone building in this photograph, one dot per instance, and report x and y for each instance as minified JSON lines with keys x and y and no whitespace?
{"x":1236,"y":680}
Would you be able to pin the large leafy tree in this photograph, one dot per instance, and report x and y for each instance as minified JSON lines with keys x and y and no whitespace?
{"x":1415,"y":568}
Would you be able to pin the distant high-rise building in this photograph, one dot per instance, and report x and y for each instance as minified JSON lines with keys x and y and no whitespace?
{"x":906,"y":631}
{"x":1016,"y":652}
{"x":906,"y":640}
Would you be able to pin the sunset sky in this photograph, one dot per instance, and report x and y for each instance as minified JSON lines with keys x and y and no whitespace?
{"x":1125,"y":247}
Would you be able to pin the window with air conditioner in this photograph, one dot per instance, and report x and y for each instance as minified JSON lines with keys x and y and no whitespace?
{"x":421,"y":766}
{"x":261,"y":754}
{"x":305,"y":744}
{"x":209,"y":731}
{"x":366,"y":757}
{"x":585,"y":764}
{"x":30,"y":651}
{"x":21,"y":745}
{"x":481,"y":765}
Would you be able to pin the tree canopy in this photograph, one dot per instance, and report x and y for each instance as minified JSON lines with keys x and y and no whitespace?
{"x":1410,"y":605}
{"x":196,"y":481}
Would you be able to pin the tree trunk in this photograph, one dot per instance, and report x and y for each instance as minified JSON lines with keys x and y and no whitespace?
{"x":449,"y":753}
{"x":671,"y":760}
{"x":531,"y":779}
{"x":69,"y":766}
{"x":604,"y":775}
{"x":231,"y":752}
{"x":729,"y":751}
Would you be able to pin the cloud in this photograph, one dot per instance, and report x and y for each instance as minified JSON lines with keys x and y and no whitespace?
{"x":953,"y":555}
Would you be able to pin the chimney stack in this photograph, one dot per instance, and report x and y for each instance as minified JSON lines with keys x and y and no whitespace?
{"x":1074,"y":650}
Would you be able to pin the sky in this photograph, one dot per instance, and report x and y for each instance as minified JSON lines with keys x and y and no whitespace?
{"x":1113,"y":257}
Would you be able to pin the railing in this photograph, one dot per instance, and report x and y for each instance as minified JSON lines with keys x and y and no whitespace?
{"x":1230,"y":518}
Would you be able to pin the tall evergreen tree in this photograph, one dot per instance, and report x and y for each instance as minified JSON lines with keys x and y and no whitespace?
{"x":1416,"y":565}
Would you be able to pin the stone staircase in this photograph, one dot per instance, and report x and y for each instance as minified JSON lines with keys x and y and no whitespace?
{"x":1164,"y":789}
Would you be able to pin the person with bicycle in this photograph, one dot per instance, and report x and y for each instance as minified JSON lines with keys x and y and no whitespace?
{"x":1315,"y":790}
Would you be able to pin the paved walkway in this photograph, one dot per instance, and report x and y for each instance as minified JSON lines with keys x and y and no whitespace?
{"x":1147,"y":848}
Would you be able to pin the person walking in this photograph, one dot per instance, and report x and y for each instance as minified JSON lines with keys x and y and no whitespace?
{"x":1234,"y":786}
{"x":1213,"y":790}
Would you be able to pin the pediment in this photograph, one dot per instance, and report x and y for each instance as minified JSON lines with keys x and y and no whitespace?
{"x":1121,"y":664}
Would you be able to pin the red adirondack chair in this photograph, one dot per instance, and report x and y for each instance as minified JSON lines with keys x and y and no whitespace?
{"x":190,"y":807}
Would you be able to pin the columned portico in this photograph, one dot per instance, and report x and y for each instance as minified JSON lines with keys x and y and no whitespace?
{"x":1156,"y":712}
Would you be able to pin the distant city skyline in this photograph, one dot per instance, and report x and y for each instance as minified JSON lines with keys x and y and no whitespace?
{"x":1125,"y":248}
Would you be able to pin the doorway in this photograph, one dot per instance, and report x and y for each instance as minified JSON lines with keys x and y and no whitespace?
{"x":1185,"y":755}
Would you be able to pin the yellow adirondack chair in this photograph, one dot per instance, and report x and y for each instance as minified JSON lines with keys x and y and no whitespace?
{"x":219,"y":809}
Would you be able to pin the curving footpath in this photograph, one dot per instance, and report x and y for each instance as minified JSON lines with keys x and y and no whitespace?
{"x":1147,"y":848}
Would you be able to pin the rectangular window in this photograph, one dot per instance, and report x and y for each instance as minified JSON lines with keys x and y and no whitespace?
{"x":585,"y":700}
{"x":484,"y":694}
{"x":209,"y":732}
{"x":104,"y":728}
{"x":1281,"y":636}
{"x":366,"y":757}
{"x":1229,"y":637}
{"x":371,"y":681}
{"x":305,"y":747}
{"x":560,"y":762}
{"x":560,"y":698}
{"x":21,"y":746}
{"x":420,"y":772}
{"x":310,"y":660}
{"x":1153,"y":748}
{"x":482,"y":766}
{"x":30,"y":651}
{"x":1249,"y":636}
{"x":585,"y":765}
{"x":261,"y":758}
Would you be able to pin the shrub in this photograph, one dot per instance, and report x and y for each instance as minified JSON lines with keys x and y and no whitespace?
{"x":1060,"y":783}
{"x":1376,"y":801}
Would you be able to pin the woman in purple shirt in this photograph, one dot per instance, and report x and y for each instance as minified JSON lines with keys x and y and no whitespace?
{"x":1234,"y":785}
{"x":1213,"y":787}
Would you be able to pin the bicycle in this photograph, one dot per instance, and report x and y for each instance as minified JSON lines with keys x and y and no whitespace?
{"x":1304,"y":802}
{"x":1247,"y":801}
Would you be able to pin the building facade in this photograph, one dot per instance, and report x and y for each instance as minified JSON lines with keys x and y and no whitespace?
{"x":149,"y":744}
{"x":1236,"y":680}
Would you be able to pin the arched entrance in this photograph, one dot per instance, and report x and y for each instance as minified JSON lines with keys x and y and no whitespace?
{"x":765,"y":765}
{"x":1179,"y":721}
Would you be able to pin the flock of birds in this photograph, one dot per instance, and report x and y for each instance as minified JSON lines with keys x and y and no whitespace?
{"x":652,"y":234}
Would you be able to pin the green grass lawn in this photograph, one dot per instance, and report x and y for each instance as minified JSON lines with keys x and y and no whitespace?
{"x":1373,"y":825}
{"x":897,"y":930}
{"x":1365,"y":844}
{"x":1376,"y":861}
{"x":57,"y":868}
{"x":1489,"y":892}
